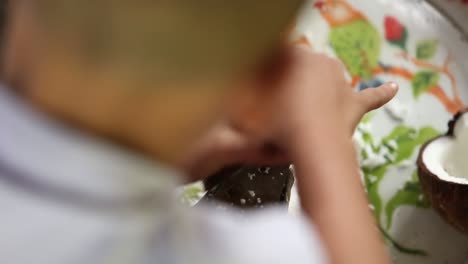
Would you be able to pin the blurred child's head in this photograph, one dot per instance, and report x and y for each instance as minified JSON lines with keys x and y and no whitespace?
{"x":153,"y":74}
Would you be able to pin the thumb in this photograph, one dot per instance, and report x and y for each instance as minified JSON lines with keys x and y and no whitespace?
{"x":374,"y":98}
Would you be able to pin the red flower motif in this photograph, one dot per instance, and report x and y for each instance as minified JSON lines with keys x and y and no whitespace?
{"x":394,"y":30}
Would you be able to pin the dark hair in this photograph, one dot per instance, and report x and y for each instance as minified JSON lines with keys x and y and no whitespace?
{"x":3,"y":16}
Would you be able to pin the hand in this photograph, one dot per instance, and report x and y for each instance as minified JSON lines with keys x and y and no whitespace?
{"x":283,"y":101}
{"x":223,"y":145}
{"x":306,"y":91}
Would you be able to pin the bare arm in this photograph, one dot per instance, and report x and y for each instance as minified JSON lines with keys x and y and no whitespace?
{"x":324,"y":111}
{"x":333,"y":197}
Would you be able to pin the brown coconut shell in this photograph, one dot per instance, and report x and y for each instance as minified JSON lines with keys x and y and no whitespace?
{"x":449,"y":199}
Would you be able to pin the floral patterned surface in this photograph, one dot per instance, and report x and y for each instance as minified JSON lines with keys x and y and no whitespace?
{"x":413,"y":43}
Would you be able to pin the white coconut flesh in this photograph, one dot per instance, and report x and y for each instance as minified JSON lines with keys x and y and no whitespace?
{"x":447,"y":157}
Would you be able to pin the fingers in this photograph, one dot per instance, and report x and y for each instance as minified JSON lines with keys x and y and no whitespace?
{"x":371,"y":99}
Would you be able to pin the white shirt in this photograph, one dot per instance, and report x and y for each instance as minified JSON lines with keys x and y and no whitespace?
{"x":67,"y":197}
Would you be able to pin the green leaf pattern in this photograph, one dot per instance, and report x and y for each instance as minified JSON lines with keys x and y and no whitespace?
{"x":423,"y":81}
{"x":410,"y":194}
{"x":406,"y":139}
{"x":400,"y":145}
{"x":426,"y":49}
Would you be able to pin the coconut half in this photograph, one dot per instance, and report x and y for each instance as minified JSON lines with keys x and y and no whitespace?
{"x":443,"y":172}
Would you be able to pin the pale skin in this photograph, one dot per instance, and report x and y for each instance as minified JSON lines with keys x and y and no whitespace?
{"x":304,"y":107}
